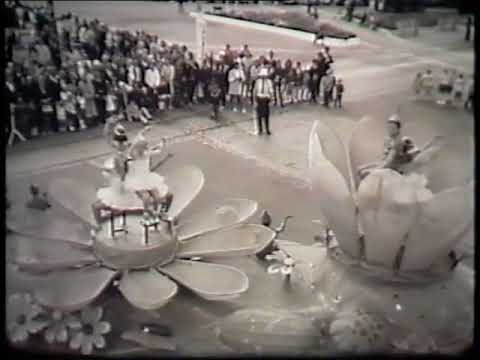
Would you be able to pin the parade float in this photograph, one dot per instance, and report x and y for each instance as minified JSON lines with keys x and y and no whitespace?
{"x":391,"y":250}
{"x":392,"y":247}
{"x":143,"y":249}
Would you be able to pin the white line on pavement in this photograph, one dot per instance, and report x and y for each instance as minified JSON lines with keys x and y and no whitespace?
{"x":376,"y":69}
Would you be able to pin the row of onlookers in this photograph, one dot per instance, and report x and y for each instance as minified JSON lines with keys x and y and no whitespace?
{"x":100,"y":71}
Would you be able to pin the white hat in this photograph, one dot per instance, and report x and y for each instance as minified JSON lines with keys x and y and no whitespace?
{"x":97,"y":62}
{"x":119,"y":129}
{"x":394,"y":118}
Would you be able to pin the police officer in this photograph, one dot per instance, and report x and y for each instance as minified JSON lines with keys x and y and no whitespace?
{"x":263,"y":93}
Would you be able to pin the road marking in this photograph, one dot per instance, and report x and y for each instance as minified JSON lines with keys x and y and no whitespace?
{"x":360,"y":96}
{"x":376,"y":69}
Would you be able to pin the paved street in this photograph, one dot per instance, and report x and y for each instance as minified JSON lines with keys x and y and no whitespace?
{"x":378,"y":76}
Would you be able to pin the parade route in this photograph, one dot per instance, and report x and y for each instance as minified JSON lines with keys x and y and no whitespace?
{"x":378,"y":82}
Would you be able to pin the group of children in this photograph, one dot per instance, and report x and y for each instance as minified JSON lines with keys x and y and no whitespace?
{"x":450,"y":88}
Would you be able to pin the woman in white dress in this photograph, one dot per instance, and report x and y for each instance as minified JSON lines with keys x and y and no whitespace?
{"x":236,"y":77}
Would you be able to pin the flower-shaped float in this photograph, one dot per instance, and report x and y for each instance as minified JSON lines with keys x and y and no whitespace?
{"x":393,"y":253}
{"x":67,"y":270}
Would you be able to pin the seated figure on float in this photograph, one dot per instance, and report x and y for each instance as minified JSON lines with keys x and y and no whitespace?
{"x":398,"y":151}
{"x":128,"y":177}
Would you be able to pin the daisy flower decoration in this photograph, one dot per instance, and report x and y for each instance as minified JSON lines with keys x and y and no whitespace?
{"x":284,"y":264}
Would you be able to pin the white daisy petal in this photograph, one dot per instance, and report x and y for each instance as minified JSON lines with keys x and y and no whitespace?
{"x":99,"y":341}
{"x":57,"y":315}
{"x":34,"y":326}
{"x":74,"y":324}
{"x":19,"y":334}
{"x":87,"y":345}
{"x":274,"y":269}
{"x":62,"y":335}
{"x":102,"y":327}
{"x":49,"y":335}
{"x":76,"y":341}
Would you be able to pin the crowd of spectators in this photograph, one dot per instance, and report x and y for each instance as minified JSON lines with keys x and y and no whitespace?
{"x":69,"y":74}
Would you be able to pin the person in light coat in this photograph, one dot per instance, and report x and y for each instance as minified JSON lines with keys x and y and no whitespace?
{"x":328,"y":84}
{"x":263,"y":93}
{"x":458,"y":89}
{"x":236,"y":77}
{"x":152,"y":79}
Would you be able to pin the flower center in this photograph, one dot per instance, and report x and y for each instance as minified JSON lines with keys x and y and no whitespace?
{"x":21,"y":319}
{"x":88,"y":329}
{"x":142,"y":245}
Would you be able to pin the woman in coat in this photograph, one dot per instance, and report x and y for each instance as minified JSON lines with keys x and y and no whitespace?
{"x":236,"y":77}
{"x":87,"y":89}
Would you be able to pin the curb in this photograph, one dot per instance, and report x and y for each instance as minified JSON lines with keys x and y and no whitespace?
{"x":297,"y":34}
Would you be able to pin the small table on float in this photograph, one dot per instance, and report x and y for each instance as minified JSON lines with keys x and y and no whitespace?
{"x":119,"y":201}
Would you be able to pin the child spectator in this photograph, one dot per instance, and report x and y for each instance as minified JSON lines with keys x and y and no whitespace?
{"x":214,"y":92}
{"x":339,"y":89}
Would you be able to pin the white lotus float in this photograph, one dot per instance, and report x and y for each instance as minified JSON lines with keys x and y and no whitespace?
{"x":395,"y":237}
{"x":66,"y":271}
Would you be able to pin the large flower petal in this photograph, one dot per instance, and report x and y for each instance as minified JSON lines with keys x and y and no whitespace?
{"x":43,"y":254}
{"x":333,"y":149}
{"x":441,"y":225}
{"x":75,"y":196}
{"x":366,"y":143}
{"x":449,"y":163}
{"x":184,"y":183}
{"x":147,"y":289}
{"x":73,"y":289}
{"x":22,"y":281}
{"x":388,"y":209}
{"x":217,"y":215}
{"x":210,"y":281}
{"x":49,"y":224}
{"x":157,"y":158}
{"x":243,"y":239}
{"x":333,"y":196}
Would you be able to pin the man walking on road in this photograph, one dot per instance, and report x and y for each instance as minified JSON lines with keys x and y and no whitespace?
{"x":263,"y":92}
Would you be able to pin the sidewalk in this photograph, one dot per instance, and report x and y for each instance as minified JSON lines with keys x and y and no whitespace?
{"x":64,"y":149}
